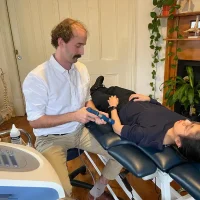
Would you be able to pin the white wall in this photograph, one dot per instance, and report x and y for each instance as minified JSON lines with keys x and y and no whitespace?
{"x":7,"y":59}
{"x":143,"y":52}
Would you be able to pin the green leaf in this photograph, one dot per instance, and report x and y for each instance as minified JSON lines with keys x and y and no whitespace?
{"x":186,"y":104}
{"x":180,"y":93}
{"x":158,"y":48}
{"x":171,"y":10}
{"x":178,"y":49}
{"x":156,"y":60}
{"x":167,"y":93}
{"x":177,"y":6}
{"x":152,"y":46}
{"x":170,"y":54}
{"x":167,"y":2}
{"x":150,"y":26}
{"x":196,"y":101}
{"x":170,"y":101}
{"x":176,"y":28}
{"x":182,"y":90}
{"x":153,"y":65}
{"x":180,"y":80}
{"x":163,"y":59}
{"x":153,"y":72}
{"x":175,"y":58}
{"x":180,"y":36}
{"x":155,"y":2}
{"x":153,"y":15}
{"x":171,"y":16}
{"x":171,"y":30}
{"x":152,"y":37}
{"x":170,"y":43}
{"x":190,"y":73}
{"x":159,"y":4}
{"x":191,"y":95}
{"x":183,"y":99}
{"x":151,"y":84}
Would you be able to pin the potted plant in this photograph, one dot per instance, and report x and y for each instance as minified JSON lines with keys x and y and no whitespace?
{"x":184,"y":90}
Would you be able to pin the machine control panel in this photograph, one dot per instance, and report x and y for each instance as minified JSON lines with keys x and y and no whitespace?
{"x":14,"y":159}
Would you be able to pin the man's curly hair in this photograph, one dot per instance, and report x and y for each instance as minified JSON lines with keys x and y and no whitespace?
{"x":64,"y":30}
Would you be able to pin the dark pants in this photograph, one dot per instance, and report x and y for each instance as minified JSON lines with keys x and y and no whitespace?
{"x":101,"y":95}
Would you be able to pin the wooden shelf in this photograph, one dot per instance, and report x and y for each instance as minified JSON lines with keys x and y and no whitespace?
{"x":182,"y":14}
{"x":184,"y":39}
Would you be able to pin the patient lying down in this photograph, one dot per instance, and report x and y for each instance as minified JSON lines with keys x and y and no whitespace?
{"x":145,"y":121}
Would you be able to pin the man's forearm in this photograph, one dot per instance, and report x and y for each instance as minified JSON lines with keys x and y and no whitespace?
{"x":47,"y":121}
{"x":91,"y":105}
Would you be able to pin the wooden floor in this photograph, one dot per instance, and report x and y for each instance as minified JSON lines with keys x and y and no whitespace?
{"x":146,"y":189}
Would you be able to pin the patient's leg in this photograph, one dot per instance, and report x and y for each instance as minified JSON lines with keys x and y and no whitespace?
{"x":119,"y":92}
{"x":122,"y":94}
{"x":100,"y":97}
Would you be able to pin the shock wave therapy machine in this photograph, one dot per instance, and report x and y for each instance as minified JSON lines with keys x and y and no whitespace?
{"x":26,"y":175}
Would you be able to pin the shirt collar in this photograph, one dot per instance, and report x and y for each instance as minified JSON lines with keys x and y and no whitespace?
{"x":57,"y":66}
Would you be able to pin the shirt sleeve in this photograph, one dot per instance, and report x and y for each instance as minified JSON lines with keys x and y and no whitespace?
{"x":133,"y":133}
{"x":36,"y":96}
{"x":143,"y":136}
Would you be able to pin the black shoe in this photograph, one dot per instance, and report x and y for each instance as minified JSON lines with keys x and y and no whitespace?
{"x":98,"y":83}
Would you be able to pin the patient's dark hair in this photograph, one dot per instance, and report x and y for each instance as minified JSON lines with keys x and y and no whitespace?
{"x":190,"y":148}
{"x":64,"y":30}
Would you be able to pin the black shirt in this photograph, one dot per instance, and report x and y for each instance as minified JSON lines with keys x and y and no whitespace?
{"x":146,"y":123}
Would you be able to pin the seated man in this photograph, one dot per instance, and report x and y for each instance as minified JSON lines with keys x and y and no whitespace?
{"x":145,"y":121}
{"x":57,"y":95}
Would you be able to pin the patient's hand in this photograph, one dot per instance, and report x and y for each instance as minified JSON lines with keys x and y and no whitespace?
{"x":139,"y":97}
{"x":113,"y":101}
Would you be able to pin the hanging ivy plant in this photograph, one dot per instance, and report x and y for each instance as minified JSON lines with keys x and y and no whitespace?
{"x":155,"y":36}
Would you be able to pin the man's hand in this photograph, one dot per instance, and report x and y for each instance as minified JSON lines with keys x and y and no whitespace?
{"x":139,"y":97}
{"x":113,"y":101}
{"x":101,"y":121}
{"x":83,"y":116}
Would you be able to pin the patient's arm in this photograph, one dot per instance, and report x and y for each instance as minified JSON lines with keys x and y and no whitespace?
{"x":141,"y":97}
{"x":117,"y":126}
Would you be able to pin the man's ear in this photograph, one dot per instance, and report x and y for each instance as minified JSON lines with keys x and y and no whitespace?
{"x":178,"y":141}
{"x":60,"y":41}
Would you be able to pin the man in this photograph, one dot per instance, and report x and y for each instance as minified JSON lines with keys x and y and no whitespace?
{"x":145,"y":121}
{"x":57,"y":95}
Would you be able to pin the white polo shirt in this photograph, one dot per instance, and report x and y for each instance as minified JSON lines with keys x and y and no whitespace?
{"x":49,"y":89}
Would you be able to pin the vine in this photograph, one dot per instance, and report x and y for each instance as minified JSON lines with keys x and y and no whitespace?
{"x":155,"y":37}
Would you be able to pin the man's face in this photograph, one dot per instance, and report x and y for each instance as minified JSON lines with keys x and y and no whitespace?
{"x":186,"y":128}
{"x":74,"y":49}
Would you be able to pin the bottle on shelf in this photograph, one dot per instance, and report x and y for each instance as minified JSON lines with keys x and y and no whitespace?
{"x":15,"y":135}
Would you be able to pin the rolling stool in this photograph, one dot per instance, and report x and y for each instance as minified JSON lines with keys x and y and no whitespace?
{"x":72,"y":154}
